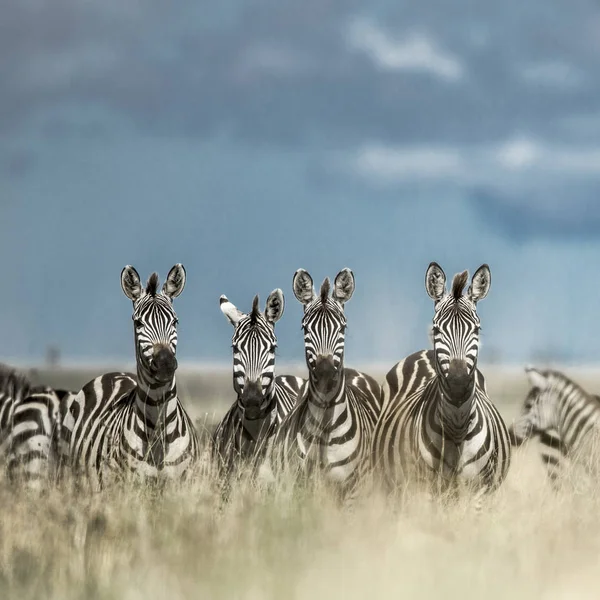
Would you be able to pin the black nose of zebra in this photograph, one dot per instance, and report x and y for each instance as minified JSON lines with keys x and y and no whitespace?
{"x":252,"y":399}
{"x":325,"y":369}
{"x":459,"y":381}
{"x":164,"y":363}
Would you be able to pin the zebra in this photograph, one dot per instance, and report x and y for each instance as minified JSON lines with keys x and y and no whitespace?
{"x":263,"y":400}
{"x":29,"y":422}
{"x":438,"y":425}
{"x":564,"y":417}
{"x":120,"y":423}
{"x":328,"y":432}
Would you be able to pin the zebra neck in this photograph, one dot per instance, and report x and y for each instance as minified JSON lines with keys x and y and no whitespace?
{"x":156,"y":404}
{"x":453,"y":417}
{"x":256,"y":428}
{"x":327,"y":403}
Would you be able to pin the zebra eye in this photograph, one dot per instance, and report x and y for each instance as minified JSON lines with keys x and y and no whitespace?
{"x":137,"y":323}
{"x":175,"y":321}
{"x":273,"y":348}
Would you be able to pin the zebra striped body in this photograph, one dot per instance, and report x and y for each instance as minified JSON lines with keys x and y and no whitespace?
{"x":328,"y":433}
{"x":438,"y":426}
{"x":29,"y":423}
{"x":238,"y":441}
{"x":263,"y":400}
{"x":564,"y":417}
{"x":121,"y":424}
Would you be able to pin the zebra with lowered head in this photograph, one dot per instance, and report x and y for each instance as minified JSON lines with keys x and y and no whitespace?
{"x":563,"y":416}
{"x":121,"y":423}
{"x":29,"y":424}
{"x":263,"y":400}
{"x":438,"y":425}
{"x":328,"y":432}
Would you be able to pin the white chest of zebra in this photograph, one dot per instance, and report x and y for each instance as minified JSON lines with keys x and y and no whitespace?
{"x":241,"y":439}
{"x":120,"y":425}
{"x":438,"y":426}
{"x":327,"y":435}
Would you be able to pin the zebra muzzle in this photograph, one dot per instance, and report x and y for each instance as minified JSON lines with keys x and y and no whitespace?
{"x":325,"y":371}
{"x":252,"y":399}
{"x":163,"y":364}
{"x":459,"y":381}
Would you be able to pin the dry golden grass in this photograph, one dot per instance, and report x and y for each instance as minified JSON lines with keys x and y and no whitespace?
{"x":134,"y":543}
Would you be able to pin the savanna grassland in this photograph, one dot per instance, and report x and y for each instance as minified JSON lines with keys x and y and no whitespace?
{"x":134,"y":542}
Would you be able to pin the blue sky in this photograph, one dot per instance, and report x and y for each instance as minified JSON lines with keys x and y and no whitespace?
{"x":250,"y":141}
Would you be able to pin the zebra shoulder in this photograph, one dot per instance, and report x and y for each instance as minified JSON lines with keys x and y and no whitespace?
{"x":110,"y":389}
{"x":408,"y":376}
{"x":365,"y":388}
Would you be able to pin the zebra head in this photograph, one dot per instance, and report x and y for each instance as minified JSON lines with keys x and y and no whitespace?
{"x":254,"y":345}
{"x":456,"y":327}
{"x":539,"y":408}
{"x":324,"y":325}
{"x":155,"y":322}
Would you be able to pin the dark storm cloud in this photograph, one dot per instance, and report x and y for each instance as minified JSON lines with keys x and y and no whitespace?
{"x":560,"y":213}
{"x":285,"y":72}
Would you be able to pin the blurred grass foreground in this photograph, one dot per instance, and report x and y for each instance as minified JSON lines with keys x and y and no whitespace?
{"x":132,"y":542}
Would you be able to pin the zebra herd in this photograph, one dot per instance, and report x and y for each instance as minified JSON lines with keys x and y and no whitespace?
{"x":431,"y":422}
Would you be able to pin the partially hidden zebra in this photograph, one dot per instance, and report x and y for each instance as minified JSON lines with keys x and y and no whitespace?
{"x":564,"y":418}
{"x":29,"y":424}
{"x":121,"y":424}
{"x":327,"y":435}
{"x":438,"y":426}
{"x":263,"y":400}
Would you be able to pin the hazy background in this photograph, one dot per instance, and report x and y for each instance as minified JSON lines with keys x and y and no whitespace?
{"x":248,"y":139}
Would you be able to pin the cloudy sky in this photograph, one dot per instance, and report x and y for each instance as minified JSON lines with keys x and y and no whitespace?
{"x":247,"y":139}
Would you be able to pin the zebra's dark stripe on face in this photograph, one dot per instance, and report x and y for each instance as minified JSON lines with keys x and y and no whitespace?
{"x":456,"y":324}
{"x":455,"y":332}
{"x":155,"y":324}
{"x":324,"y":326}
{"x":253,"y":344}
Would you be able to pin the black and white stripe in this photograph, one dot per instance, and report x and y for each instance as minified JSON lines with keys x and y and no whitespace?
{"x":263,"y":400}
{"x":328,"y":433}
{"x":29,"y":423}
{"x":563,"y":416}
{"x":438,"y":425}
{"x":120,"y":423}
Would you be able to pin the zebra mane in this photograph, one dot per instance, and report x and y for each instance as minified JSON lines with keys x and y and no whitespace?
{"x":255,"y":310}
{"x":325,"y":290}
{"x":13,"y":383}
{"x":458,"y":284}
{"x":152,"y":285}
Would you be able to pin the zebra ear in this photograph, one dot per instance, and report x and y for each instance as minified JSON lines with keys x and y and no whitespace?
{"x":130,"y":283}
{"x":435,"y":281}
{"x":536,"y":379}
{"x":175,"y":281}
{"x":232,"y":313}
{"x":275,"y":306}
{"x":343,"y":286}
{"x":303,"y":287}
{"x":480,"y":284}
